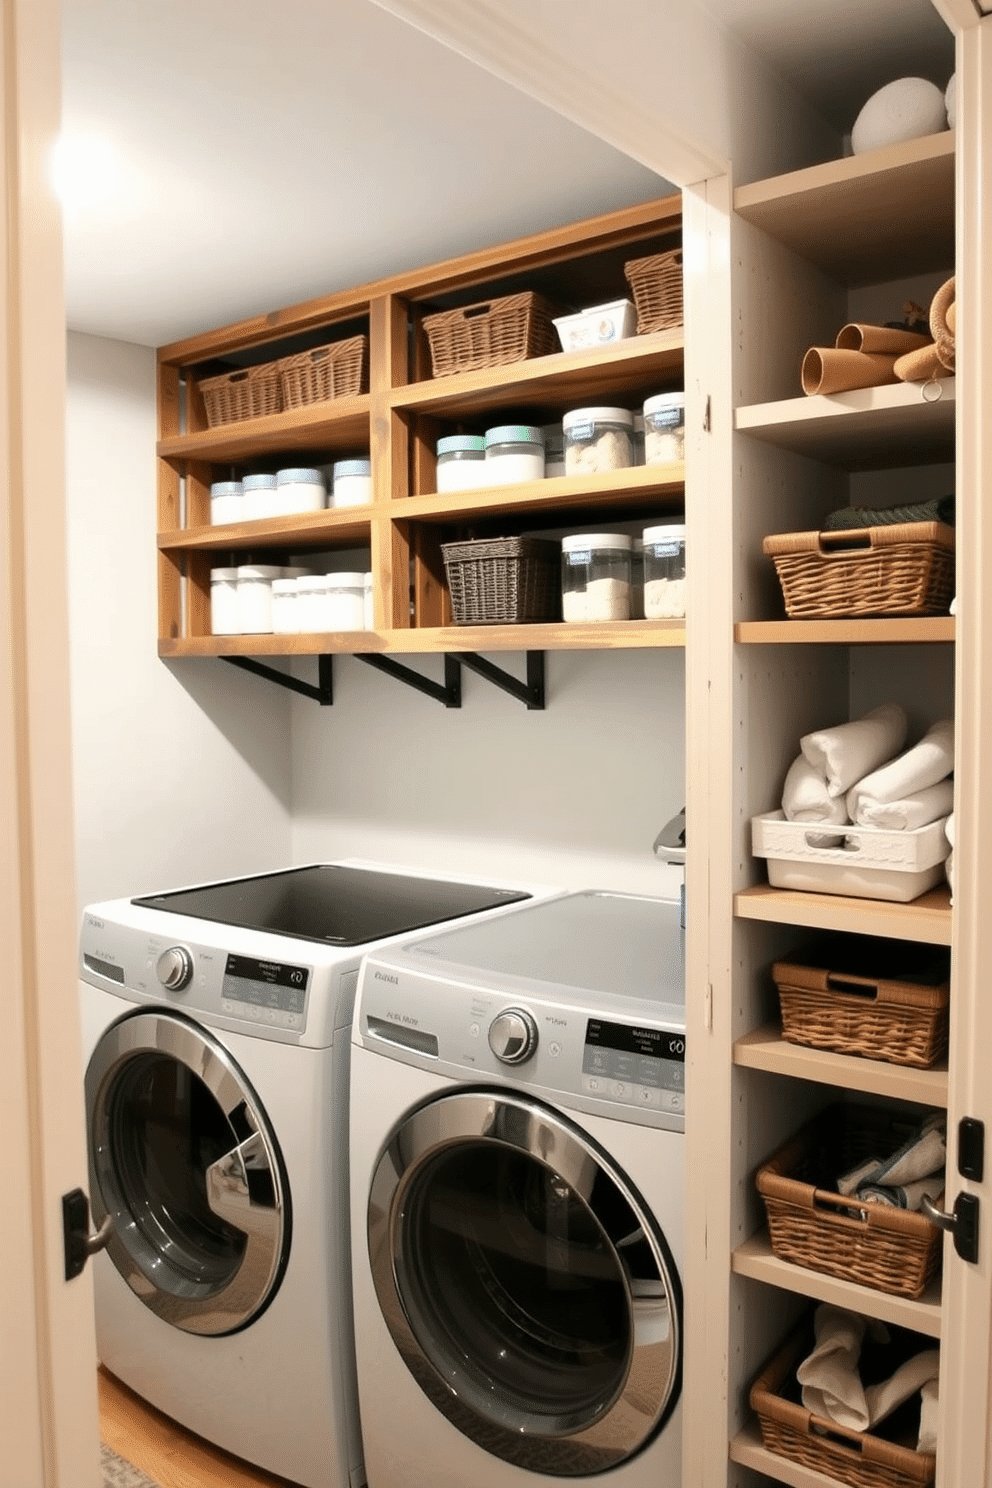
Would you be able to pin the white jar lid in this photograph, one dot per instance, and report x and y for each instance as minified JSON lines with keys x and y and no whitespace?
{"x":266,"y":571}
{"x":308,"y":583}
{"x":259,"y":483}
{"x":597,"y":540}
{"x":299,"y":477}
{"x":352,"y":467}
{"x":671,"y":533}
{"x":223,"y":575}
{"x":225,"y":488}
{"x":346,"y":581}
{"x":283,"y":586}
{"x":664,"y":400}
{"x":598,"y":416}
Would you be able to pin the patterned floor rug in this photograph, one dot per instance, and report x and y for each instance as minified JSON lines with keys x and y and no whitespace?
{"x":120,"y":1474}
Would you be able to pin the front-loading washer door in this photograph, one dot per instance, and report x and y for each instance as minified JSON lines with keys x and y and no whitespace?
{"x":527,"y":1288}
{"x":183,"y":1158}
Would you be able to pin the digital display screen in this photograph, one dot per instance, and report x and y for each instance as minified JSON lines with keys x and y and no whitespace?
{"x":623,"y":1038}
{"x":274,"y":984}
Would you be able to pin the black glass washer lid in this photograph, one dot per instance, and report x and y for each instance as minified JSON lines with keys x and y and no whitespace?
{"x":332,"y":903}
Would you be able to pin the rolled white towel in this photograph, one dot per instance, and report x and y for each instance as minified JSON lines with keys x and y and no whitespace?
{"x":831,"y":1384}
{"x":912,"y":811}
{"x":928,"y":1416}
{"x":926,"y":764}
{"x":846,"y":753}
{"x":884,"y":1398}
{"x":805,"y":797}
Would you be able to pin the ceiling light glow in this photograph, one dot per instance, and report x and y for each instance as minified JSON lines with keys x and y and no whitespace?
{"x":84,"y":170}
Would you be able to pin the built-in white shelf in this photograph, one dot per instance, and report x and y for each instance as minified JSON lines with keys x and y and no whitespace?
{"x":902,"y":423}
{"x":766,"y":1049}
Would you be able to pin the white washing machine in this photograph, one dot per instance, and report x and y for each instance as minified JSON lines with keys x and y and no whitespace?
{"x":517,"y":1181}
{"x":217,"y":1023}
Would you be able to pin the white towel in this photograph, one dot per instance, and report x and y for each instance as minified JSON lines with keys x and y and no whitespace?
{"x":924,"y":1153}
{"x":829,"y":1375}
{"x":927,"y":763}
{"x":884,"y":1398}
{"x":805,"y":797}
{"x":845,"y":754}
{"x":904,"y":816}
{"x":928,"y":1416}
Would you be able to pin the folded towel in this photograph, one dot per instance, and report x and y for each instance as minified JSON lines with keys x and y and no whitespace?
{"x":805,"y":797}
{"x":884,"y":1398}
{"x":924,"y":1153}
{"x":831,"y":1385}
{"x":928,"y":1416}
{"x":847,"y":753}
{"x":906,"y":815}
{"x":941,"y":509}
{"x":926,"y":764}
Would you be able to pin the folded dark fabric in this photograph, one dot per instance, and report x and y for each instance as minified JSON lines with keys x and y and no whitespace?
{"x":940,"y":509}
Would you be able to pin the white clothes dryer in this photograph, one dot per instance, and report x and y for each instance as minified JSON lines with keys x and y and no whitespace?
{"x":216,"y":1022}
{"x":517,"y":1179}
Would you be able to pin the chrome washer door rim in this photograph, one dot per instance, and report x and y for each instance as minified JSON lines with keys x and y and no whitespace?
{"x":559,"y":1445}
{"x":245,"y":1188}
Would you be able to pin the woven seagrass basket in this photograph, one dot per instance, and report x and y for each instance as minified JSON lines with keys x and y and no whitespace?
{"x":811,"y":1224}
{"x":336,"y":370}
{"x":859,"y":1458}
{"x":867,"y":997}
{"x":492,"y":333}
{"x":504,"y":580}
{"x":656,"y":284}
{"x":901,"y":569}
{"x":251,"y":392}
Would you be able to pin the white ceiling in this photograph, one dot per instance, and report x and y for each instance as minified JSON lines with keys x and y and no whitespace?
{"x":258,"y":154}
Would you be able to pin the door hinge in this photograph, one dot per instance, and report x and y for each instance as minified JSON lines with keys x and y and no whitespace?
{"x":79,"y":1244}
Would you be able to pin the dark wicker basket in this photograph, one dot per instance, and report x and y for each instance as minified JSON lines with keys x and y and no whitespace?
{"x":492,"y":333}
{"x":811,"y":1224}
{"x":901,"y":569}
{"x":872,"y":997}
{"x":503,"y":580}
{"x":656,"y":284}
{"x":788,"y":1429}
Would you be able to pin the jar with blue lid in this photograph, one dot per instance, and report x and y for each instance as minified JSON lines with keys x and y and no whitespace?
{"x":352,"y":483}
{"x":514,"y":452}
{"x":461,"y":462}
{"x":300,"y":490}
{"x":260,"y":494}
{"x":226,"y":502}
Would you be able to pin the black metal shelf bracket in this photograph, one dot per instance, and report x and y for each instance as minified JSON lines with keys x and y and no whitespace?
{"x":530,"y":692}
{"x":449,"y":693}
{"x":323,"y":693}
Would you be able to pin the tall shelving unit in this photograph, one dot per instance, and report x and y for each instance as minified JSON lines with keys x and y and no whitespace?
{"x":396,"y":423}
{"x":810,"y":250}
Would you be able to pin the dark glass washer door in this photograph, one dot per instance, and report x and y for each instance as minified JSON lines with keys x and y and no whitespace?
{"x":332,"y":903}
{"x":183,"y":1159}
{"x":527,"y":1288}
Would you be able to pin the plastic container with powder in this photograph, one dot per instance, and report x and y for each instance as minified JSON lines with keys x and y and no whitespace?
{"x":595,"y":570}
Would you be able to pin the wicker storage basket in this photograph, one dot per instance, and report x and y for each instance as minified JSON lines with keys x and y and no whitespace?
{"x":790,"y":1430}
{"x":656,"y":284}
{"x":337,"y":370}
{"x":491,"y":334}
{"x":503,"y":580}
{"x":251,"y":392}
{"x":811,"y":1224}
{"x":878,"y":998}
{"x":902,"y":569}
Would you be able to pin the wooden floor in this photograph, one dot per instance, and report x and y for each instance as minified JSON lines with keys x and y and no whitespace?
{"x":170,"y":1455}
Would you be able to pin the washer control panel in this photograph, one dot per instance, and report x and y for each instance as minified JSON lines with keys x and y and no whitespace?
{"x":636,"y":1064}
{"x":513,"y":1036}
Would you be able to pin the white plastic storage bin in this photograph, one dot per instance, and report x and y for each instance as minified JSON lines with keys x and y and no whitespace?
{"x":861,"y":862}
{"x":597,"y":326}
{"x":597,"y":440}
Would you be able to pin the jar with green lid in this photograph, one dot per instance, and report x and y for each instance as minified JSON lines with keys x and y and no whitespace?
{"x":514,"y":452}
{"x":461,"y":462}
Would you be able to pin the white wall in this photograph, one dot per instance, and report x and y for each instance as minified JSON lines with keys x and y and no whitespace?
{"x":182,"y":772}
{"x":574,"y":795}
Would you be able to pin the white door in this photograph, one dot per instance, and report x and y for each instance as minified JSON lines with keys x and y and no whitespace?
{"x":48,"y":1417}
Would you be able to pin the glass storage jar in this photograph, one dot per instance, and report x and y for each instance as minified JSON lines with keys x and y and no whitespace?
{"x":664,"y":572}
{"x":225,"y":613}
{"x":344,"y":601}
{"x":300,"y":490}
{"x":226,"y":502}
{"x":352,"y":483}
{"x":597,"y":440}
{"x":595,"y":572}
{"x":514,"y":452}
{"x":461,"y":462}
{"x":664,"y":429}
{"x":260,"y":497}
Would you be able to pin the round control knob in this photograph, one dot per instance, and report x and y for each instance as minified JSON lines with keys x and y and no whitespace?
{"x":513,"y":1036}
{"x":175,"y":968}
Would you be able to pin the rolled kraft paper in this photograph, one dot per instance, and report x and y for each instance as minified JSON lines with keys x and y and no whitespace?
{"x":859,"y":337}
{"x":921,"y":366}
{"x":829,"y":370}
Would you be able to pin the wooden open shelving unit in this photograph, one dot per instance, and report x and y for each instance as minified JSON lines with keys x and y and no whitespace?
{"x":398,"y":535}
